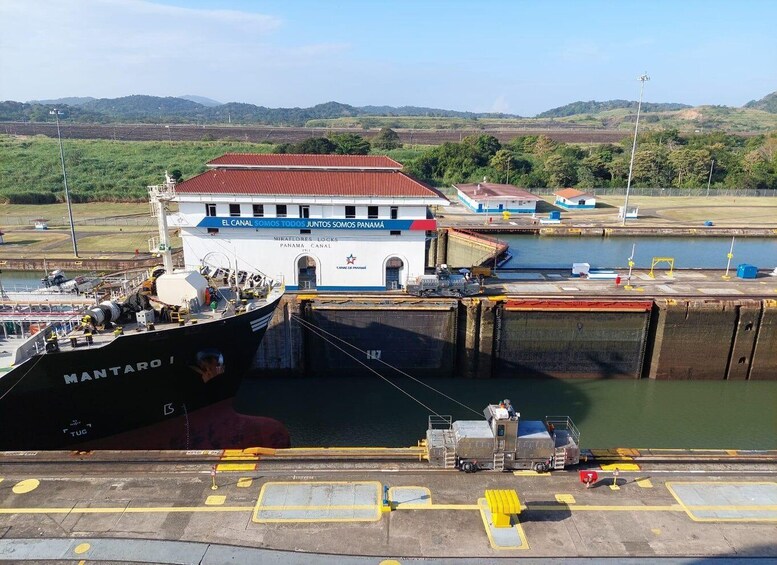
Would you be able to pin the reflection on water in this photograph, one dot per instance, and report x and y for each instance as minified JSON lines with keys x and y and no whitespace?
{"x":365,"y":411}
{"x":530,"y":251}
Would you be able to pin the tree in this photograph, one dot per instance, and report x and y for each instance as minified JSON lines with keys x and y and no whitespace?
{"x":314,"y":145}
{"x":561,"y":171}
{"x":386,"y":139}
{"x":176,"y":175}
{"x":485,"y":146}
{"x":350,"y":144}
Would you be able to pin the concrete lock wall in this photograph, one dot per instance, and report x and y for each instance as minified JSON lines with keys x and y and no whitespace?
{"x":466,"y":249}
{"x":709,"y":339}
{"x":483,"y":338}
{"x":764,"y":360}
{"x":572,"y":344}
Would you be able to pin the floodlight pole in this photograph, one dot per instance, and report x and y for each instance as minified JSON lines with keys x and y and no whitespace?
{"x":642,"y":79}
{"x":709,"y":180}
{"x":64,"y":179}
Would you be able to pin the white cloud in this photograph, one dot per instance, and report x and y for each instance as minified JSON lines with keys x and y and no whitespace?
{"x":109,"y":48}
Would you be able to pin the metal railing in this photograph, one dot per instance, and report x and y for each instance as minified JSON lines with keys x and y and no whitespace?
{"x":440,"y":422}
{"x":564,"y":423}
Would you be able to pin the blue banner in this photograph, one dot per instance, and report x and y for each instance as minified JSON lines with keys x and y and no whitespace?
{"x":317,"y":223}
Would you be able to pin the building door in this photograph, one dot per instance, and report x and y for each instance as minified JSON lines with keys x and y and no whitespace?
{"x":394,"y":273}
{"x":306,"y":275}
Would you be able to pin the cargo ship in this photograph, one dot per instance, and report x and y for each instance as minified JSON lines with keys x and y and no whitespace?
{"x":161,"y":359}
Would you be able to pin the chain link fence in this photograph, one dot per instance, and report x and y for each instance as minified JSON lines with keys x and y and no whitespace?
{"x":63,"y":221}
{"x":643,"y":191}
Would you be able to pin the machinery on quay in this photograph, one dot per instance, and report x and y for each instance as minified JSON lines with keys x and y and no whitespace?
{"x":502,"y":441}
{"x":444,"y":283}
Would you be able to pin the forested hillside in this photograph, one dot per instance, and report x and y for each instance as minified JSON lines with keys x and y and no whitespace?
{"x":768,"y":103}
{"x":594,"y":107}
{"x":114,"y":170}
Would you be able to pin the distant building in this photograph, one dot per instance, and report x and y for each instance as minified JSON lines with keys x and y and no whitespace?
{"x":573,"y":199}
{"x":490,"y":198}
{"x":326,"y":222}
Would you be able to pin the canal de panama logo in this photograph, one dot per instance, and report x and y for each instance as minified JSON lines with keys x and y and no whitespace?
{"x":350,"y":264}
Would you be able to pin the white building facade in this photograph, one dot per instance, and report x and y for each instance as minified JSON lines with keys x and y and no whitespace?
{"x":573,"y":199}
{"x":325,"y":222}
{"x":491,"y":198}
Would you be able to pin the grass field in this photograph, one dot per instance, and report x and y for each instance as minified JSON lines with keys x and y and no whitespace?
{"x":96,"y":240}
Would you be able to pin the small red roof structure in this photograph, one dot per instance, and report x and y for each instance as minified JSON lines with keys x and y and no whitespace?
{"x":304,"y":161}
{"x":571,"y":193}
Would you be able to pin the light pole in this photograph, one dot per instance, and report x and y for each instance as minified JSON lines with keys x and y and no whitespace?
{"x":642,"y":79}
{"x":709,"y":180}
{"x":64,"y":179}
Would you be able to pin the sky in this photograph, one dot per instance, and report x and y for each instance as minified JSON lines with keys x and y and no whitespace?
{"x":513,"y":56}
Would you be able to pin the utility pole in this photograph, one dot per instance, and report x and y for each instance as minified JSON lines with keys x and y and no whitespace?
{"x":642,"y":79}
{"x":64,"y":179}
{"x":710,"y":179}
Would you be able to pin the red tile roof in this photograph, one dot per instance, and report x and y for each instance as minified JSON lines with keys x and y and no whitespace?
{"x":571,"y":193}
{"x":273,"y":160}
{"x":483,"y":190}
{"x":307,"y":183}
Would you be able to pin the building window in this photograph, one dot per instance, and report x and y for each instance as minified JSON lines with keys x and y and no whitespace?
{"x":258,"y":210}
{"x":372,"y":212}
{"x":350,"y":212}
{"x":395,"y":232}
{"x":304,"y":211}
{"x":213,"y":231}
{"x":304,"y":232}
{"x":394,"y":212}
{"x":280,"y":211}
{"x":210,"y":209}
{"x":234,"y":210}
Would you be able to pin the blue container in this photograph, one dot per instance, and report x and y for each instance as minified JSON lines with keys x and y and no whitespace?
{"x":745,"y":271}
{"x":555,"y":215}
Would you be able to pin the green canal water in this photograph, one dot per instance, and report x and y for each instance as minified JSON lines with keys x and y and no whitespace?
{"x":640,"y":414}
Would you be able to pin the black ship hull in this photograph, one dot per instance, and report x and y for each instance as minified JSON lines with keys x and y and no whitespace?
{"x":63,"y":399}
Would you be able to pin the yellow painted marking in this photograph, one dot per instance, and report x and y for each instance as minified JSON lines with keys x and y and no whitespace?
{"x":203,"y":509}
{"x":438,"y":507}
{"x":645,"y":483}
{"x":307,"y":296}
{"x":732,"y":452}
{"x":120,"y":510}
{"x":483,"y":506}
{"x":620,"y":467}
{"x":82,"y":562}
{"x":565,"y":498}
{"x":376,"y":506}
{"x":81,"y":548}
{"x":690,"y":507}
{"x":656,"y":531}
{"x":244,"y":482}
{"x":498,"y":298}
{"x":215,"y":500}
{"x":392,"y":493}
{"x":389,"y":562}
{"x":615,"y":487}
{"x":236,"y":467}
{"x":25,"y":486}
{"x":530,"y":474}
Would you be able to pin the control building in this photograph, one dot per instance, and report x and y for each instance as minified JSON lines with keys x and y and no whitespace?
{"x":327,"y":222}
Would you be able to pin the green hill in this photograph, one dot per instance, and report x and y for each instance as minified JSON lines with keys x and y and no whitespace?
{"x":594,"y":107}
{"x":768,"y":103}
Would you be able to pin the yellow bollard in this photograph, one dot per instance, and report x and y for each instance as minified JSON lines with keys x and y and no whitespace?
{"x":213,"y":485}
{"x":615,"y":477}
